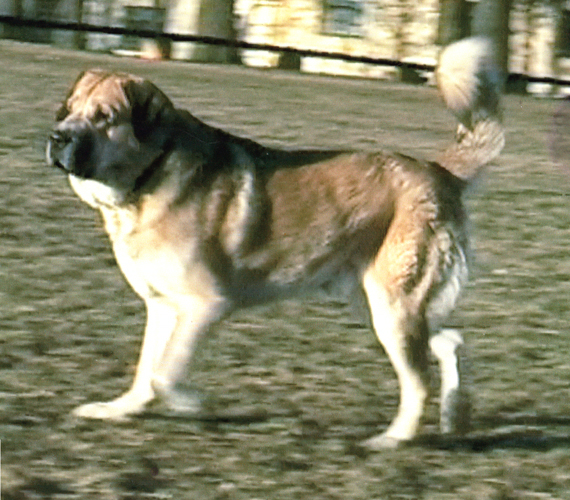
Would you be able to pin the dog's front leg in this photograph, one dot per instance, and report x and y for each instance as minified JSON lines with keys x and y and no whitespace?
{"x":195,"y":316}
{"x":172,"y":329}
{"x":162,"y":320}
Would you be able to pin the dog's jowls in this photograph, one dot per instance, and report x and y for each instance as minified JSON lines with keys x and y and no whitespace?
{"x":203,"y":223}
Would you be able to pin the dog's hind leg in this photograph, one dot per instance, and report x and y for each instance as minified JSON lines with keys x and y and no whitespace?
{"x":455,"y":406}
{"x":404,"y":336}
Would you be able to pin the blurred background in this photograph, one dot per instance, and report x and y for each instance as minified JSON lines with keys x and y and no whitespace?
{"x":533,"y":36}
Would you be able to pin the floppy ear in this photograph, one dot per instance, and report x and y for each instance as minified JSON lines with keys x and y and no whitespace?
{"x":148,"y":106}
{"x":84,"y":83}
{"x":63,"y":110}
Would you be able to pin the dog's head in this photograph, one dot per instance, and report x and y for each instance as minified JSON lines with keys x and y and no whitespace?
{"x":110,"y":129}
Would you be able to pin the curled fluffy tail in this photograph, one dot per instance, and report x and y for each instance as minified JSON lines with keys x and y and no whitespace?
{"x":470,"y":84}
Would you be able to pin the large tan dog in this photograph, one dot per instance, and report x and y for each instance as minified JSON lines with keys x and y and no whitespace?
{"x":203,"y":222}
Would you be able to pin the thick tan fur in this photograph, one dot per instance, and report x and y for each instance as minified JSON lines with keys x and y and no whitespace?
{"x":203,"y":223}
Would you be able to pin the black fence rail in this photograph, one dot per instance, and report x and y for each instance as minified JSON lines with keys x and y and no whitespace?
{"x":514,"y":80}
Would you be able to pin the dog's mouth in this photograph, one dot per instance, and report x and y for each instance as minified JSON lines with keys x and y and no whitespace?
{"x":59,"y":165}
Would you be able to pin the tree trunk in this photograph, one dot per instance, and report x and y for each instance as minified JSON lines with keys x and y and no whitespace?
{"x":79,"y":37}
{"x":491,"y":19}
{"x":453,"y":23}
{"x":560,"y":40}
{"x":216,"y":18}
{"x":12,"y":8}
{"x":529,"y":16}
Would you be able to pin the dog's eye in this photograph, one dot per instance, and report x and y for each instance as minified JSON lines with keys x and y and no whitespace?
{"x":102,"y":118}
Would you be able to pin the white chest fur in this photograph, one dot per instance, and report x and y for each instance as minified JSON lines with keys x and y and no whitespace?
{"x":154,"y":261}
{"x":95,"y":193}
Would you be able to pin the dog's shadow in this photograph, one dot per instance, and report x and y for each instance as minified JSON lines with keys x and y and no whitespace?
{"x":238,"y":417}
{"x":523,"y":432}
{"x":517,"y":431}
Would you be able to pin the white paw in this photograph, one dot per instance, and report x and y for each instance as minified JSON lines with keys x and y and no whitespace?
{"x":383,"y":442}
{"x":118,"y":409}
{"x":104,"y":411}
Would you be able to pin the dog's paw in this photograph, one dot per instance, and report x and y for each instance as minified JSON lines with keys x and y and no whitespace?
{"x":103,"y":411}
{"x":456,"y":413}
{"x":118,"y":409}
{"x":383,"y":442}
{"x":183,"y":402}
{"x":178,"y":398}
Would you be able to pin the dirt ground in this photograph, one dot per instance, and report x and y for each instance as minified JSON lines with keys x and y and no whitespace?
{"x":294,"y":386}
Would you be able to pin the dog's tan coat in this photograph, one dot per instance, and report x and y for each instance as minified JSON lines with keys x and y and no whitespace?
{"x":203,"y":223}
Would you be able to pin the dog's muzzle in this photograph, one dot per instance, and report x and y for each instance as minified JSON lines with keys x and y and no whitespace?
{"x":57,"y":144}
{"x":68,"y":147}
